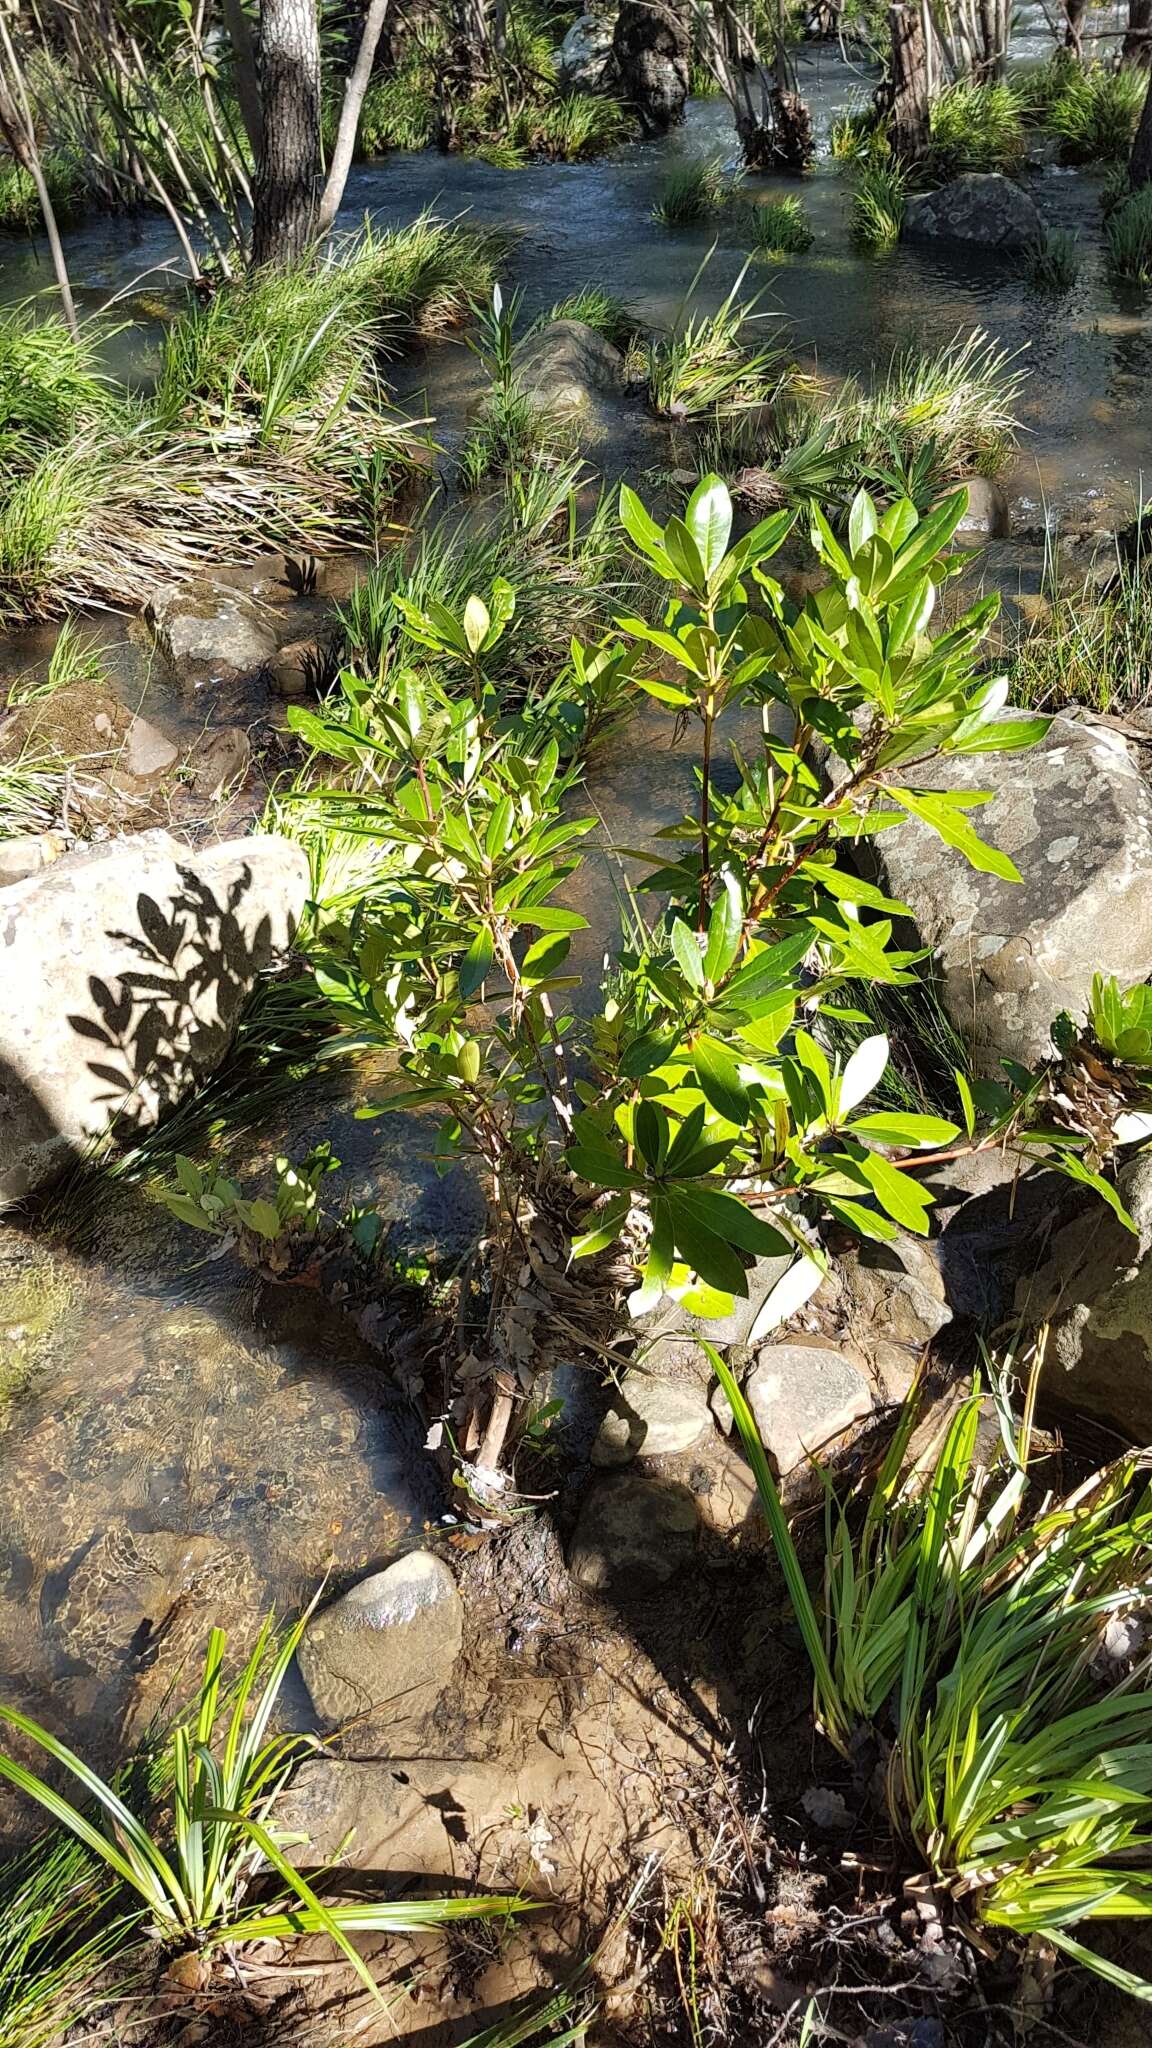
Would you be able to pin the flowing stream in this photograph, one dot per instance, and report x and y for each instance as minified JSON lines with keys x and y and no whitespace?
{"x":173,"y":1404}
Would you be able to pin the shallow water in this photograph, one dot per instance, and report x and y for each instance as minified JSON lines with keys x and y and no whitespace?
{"x":174,"y":1398}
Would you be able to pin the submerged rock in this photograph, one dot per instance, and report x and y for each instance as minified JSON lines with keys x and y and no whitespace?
{"x":1075,"y":815}
{"x":803,"y":1395}
{"x":212,"y":628}
{"x":650,"y":1418}
{"x":633,"y":1534}
{"x":1095,"y":1289}
{"x":569,"y":369}
{"x":987,"y":516}
{"x":387,"y":1648}
{"x":125,"y":970}
{"x":983,"y":207}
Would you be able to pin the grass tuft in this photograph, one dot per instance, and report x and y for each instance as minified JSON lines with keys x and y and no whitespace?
{"x":779,"y":227}
{"x":1094,"y":113}
{"x":878,"y":202}
{"x":691,"y":192}
{"x":1128,"y":238}
{"x":601,"y":310}
{"x":1053,"y":262}
{"x":974,"y":126}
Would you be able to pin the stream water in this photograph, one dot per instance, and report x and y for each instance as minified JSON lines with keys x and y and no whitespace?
{"x":171,"y":1404}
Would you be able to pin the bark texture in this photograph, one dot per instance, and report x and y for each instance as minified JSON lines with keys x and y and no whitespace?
{"x":1136,"y":49}
{"x":1140,"y":168}
{"x":652,"y":49}
{"x":909,"y":110}
{"x":288,"y":173}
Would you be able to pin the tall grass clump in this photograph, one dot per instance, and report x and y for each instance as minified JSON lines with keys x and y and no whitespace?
{"x":572,"y":128}
{"x":1128,"y":239}
{"x":962,"y":1626}
{"x":50,"y":380}
{"x":1094,"y":113}
{"x":851,"y":138}
{"x":399,"y":112}
{"x":879,"y":196}
{"x":604,"y":311}
{"x":974,"y":127}
{"x":779,"y":227}
{"x":1092,"y":648}
{"x":1053,"y":262}
{"x":57,"y":1936}
{"x":208,"y":1867}
{"x":20,"y":202}
{"x":958,"y":402}
{"x":692,"y":191}
{"x":709,"y":364}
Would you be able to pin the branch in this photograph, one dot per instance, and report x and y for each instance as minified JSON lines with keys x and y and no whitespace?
{"x":354,"y":91}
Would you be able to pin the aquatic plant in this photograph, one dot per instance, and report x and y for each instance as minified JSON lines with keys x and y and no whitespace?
{"x":56,"y":1937}
{"x":1091,"y":646}
{"x":1128,"y":239}
{"x":708,"y":364}
{"x":691,"y":191}
{"x":973,"y":126}
{"x":571,"y":128}
{"x":853,"y":136}
{"x":212,"y":1871}
{"x":778,"y":226}
{"x":963,"y":1622}
{"x":879,"y":196}
{"x":1094,"y":112}
{"x":958,"y":402}
{"x":1053,"y":262}
{"x":602,"y":310}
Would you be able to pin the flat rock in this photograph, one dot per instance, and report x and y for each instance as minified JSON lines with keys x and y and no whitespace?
{"x":633,"y":1534}
{"x":387,"y":1648}
{"x":650,"y":1418}
{"x":1075,"y":814}
{"x":212,"y":628}
{"x":126,"y":967}
{"x":148,"y":754}
{"x":803,"y":1395}
{"x":983,"y":207}
{"x":567,"y":368}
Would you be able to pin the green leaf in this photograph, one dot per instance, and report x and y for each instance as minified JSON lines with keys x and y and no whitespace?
{"x":499,"y":828}
{"x":1002,"y":736}
{"x":719,"y":1077}
{"x":862,"y":521}
{"x":477,"y":620}
{"x":940,"y":811}
{"x":688,"y":955}
{"x":549,"y":917}
{"x":658,"y":1264}
{"x":643,"y":530}
{"x":603,"y":1169}
{"x":477,"y":962}
{"x":724,"y":929}
{"x":730,"y":1218}
{"x":897,"y":1193}
{"x":708,"y":517}
{"x":263,"y":1217}
{"x":684,"y":555}
{"x":966,"y":1102}
{"x":1075,"y":1169}
{"x":704,"y":1250}
{"x":605,"y":1230}
{"x":897,"y":1128}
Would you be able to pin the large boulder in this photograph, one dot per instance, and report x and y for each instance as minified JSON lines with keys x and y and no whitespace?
{"x":1095,"y":1289}
{"x":1075,"y":815}
{"x":585,"y":62}
{"x":983,"y":207}
{"x":125,"y":969}
{"x":653,"y":59}
{"x":568,"y":369}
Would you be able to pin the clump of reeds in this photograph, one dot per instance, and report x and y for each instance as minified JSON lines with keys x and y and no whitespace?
{"x":692,"y":191}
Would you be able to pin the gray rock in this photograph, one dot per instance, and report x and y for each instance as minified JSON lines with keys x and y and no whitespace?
{"x":27,"y":854}
{"x":125,"y":970}
{"x":983,"y":207}
{"x":1075,"y":815}
{"x":803,"y":1395}
{"x":568,"y":369}
{"x":1095,"y":1289}
{"x":212,"y":628}
{"x":893,"y":1302}
{"x":585,"y":62}
{"x":387,"y":1648}
{"x":650,"y":1418}
{"x":633,"y":1534}
{"x":148,"y":755}
{"x":672,"y":1323}
{"x":987,"y":516}
{"x":297,"y":670}
{"x":653,"y":58}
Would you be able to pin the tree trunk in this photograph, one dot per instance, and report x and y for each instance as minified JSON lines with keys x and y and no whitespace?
{"x":1140,"y":166}
{"x":1074,"y":12}
{"x":354,"y":91}
{"x":19,"y":131}
{"x":289,"y":168}
{"x":1136,"y":50}
{"x":909,"y":111}
{"x":652,"y":48}
{"x":245,"y":74}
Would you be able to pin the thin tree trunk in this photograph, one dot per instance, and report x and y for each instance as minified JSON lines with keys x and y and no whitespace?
{"x":354,"y":90}
{"x":1074,"y":12}
{"x":245,"y":74}
{"x":19,"y":131}
{"x":1140,"y":166}
{"x":909,"y":113}
{"x":289,"y":168}
{"x":1136,"y":50}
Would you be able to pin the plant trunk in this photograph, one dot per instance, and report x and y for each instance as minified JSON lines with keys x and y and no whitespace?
{"x":289,"y":167}
{"x":19,"y":131}
{"x":1140,"y":165}
{"x":354,"y":90}
{"x":1074,"y":12}
{"x":245,"y":74}
{"x":909,"y":106}
{"x":1136,"y":50}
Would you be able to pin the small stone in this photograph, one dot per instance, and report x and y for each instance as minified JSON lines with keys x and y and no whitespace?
{"x":986,"y":516}
{"x":147,"y":753}
{"x":27,"y":854}
{"x":296,"y":670}
{"x":826,"y":1809}
{"x":803,"y":1395}
{"x":650,"y":1418}
{"x":222,"y":758}
{"x":388,"y":1646}
{"x":727,"y":1499}
{"x":633,"y":1534}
